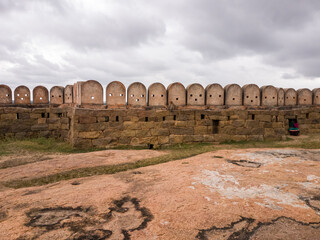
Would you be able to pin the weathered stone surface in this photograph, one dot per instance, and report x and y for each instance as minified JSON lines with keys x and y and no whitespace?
{"x":88,"y":119}
{"x":90,"y":135}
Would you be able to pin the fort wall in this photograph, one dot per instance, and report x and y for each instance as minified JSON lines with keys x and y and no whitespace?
{"x":161,"y":116}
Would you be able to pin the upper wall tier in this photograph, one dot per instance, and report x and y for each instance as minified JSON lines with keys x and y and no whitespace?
{"x":157,"y":95}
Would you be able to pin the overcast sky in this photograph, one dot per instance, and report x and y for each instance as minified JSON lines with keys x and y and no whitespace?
{"x":53,"y":42}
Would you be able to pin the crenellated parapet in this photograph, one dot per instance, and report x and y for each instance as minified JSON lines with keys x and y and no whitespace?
{"x":176,"y":95}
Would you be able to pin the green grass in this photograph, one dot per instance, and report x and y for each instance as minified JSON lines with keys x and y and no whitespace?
{"x":41,"y":145}
{"x":175,"y":152}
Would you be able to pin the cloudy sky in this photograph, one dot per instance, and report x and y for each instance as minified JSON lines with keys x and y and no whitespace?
{"x":59,"y":42}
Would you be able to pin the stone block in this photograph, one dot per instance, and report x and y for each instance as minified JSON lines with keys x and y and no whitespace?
{"x":163,"y":140}
{"x":82,"y":143}
{"x":42,"y":120}
{"x":238,"y":123}
{"x":174,"y":139}
{"x":263,"y":118}
{"x":277,"y":125}
{"x":269,"y":132}
{"x":252,"y":124}
{"x":181,"y":131}
{"x":160,"y":132}
{"x":131,"y":125}
{"x":102,"y":142}
{"x":87,"y":119}
{"x":143,"y":133}
{"x":40,"y":127}
{"x":8,"y":116}
{"x":200,"y":130}
{"x":91,"y":135}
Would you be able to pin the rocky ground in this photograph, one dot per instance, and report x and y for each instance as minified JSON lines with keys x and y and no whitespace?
{"x":225,"y":194}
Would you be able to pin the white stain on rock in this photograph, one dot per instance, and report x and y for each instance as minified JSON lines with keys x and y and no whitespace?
{"x":229,"y":187}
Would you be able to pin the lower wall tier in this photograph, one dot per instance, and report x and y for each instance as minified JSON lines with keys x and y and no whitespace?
{"x":85,"y":128}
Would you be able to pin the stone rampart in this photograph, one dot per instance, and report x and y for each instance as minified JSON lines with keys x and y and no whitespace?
{"x":156,"y":116}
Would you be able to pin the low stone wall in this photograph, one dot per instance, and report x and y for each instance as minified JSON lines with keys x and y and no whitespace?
{"x":101,"y":128}
{"x":44,"y":121}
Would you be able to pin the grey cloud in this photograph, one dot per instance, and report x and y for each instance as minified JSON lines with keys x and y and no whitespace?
{"x":143,"y":40}
{"x":280,"y":31}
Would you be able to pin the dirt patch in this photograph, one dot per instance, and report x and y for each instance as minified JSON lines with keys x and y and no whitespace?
{"x":238,"y":230}
{"x":313,"y":202}
{"x":307,"y":155}
{"x":244,"y":163}
{"x":281,"y":228}
{"x":286,"y":229}
{"x":124,"y":217}
{"x":3,"y":215}
{"x":58,"y":163}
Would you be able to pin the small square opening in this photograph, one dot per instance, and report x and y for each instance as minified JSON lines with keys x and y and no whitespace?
{"x":202,"y":116}
{"x":117,"y":118}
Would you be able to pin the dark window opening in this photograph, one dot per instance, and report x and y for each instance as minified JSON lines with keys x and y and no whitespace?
{"x":48,"y":115}
{"x":251,"y":100}
{"x":253,"y":116}
{"x":228,"y":118}
{"x":219,"y":95}
{"x":174,"y":117}
{"x":307,"y":115}
{"x":210,"y":95}
{"x":202,"y":116}
{"x":146,"y":119}
{"x":150,"y":146}
{"x":233,"y":99}
{"x":18,"y":117}
{"x":200,"y":95}
{"x":196,"y":99}
{"x":177,"y":99}
{"x":59,"y":115}
{"x":117,"y":118}
{"x":215,"y":126}
{"x":277,"y":118}
{"x":43,"y":115}
{"x":106,"y":119}
{"x":163,"y":118}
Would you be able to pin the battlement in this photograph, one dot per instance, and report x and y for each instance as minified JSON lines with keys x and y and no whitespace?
{"x":90,"y":93}
{"x":156,"y":116}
